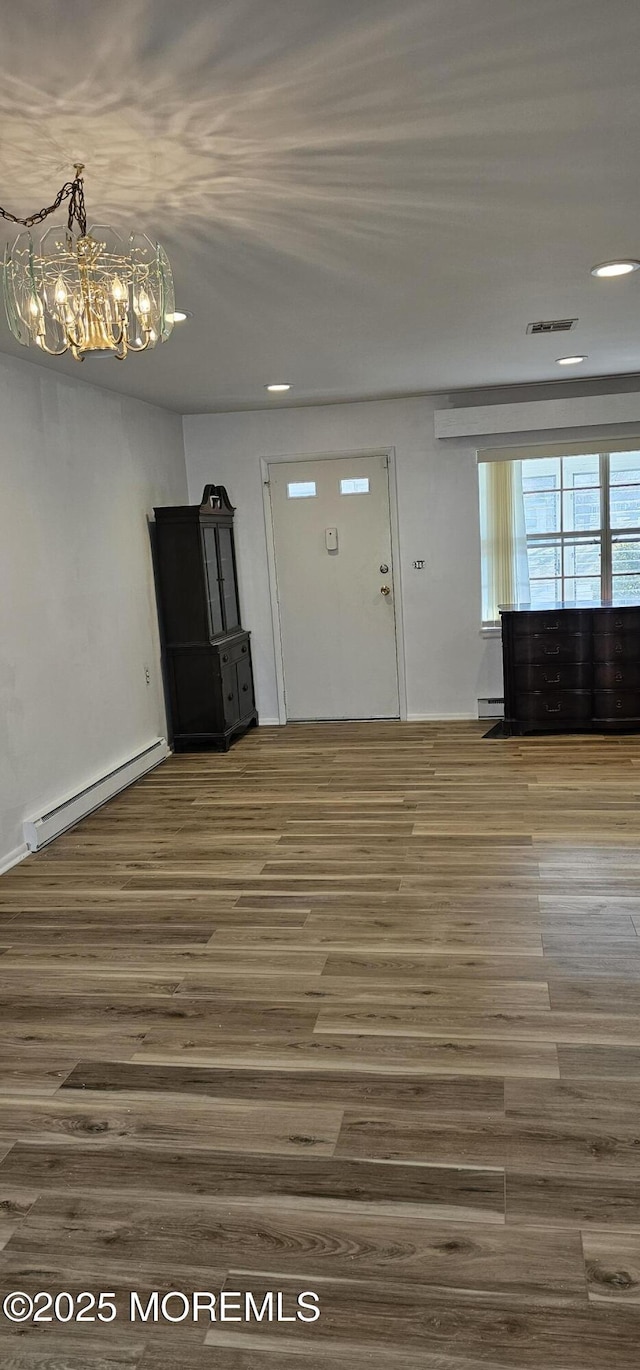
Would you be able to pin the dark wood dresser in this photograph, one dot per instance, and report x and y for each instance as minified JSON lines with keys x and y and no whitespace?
{"x":207,"y":653}
{"x":571,"y":668}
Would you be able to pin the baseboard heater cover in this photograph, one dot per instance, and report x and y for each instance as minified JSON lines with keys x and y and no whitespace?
{"x":491,"y":707}
{"x":39,"y":831}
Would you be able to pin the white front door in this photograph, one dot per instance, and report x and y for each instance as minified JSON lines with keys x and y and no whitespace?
{"x":332,"y":537}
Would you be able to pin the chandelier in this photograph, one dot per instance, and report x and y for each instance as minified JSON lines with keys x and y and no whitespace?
{"x":79,"y":290}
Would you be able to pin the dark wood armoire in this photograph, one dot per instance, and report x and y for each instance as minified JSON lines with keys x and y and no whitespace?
{"x":207,"y":652}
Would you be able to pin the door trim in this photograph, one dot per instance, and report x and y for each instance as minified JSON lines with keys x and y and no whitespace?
{"x":265,"y":464}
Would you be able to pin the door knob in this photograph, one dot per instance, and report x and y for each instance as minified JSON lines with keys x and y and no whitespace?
{"x":385,"y":589}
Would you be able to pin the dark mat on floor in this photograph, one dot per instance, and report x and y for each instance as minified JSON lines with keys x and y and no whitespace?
{"x":496,"y":731}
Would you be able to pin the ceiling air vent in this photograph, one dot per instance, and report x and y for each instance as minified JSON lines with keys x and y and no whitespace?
{"x":552,"y":326}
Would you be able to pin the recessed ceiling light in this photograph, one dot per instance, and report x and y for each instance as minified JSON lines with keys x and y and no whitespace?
{"x":623,"y":268}
{"x":279,"y":386}
{"x":180,"y":315}
{"x":570,"y":361}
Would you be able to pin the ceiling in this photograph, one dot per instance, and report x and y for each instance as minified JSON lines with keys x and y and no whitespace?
{"x":364,"y":198}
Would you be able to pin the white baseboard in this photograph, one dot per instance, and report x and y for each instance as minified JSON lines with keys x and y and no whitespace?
{"x":269,"y":722}
{"x":441,"y":718}
{"x":68,"y":811}
{"x":13,"y":857}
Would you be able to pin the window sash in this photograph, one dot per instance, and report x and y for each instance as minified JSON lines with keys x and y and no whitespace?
{"x":606,"y":534}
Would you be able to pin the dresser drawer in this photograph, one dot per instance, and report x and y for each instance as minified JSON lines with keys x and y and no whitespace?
{"x":575,"y":676}
{"x":552,"y":621}
{"x":552,"y":648}
{"x":616,"y":675}
{"x":622,"y":620}
{"x":616,"y":647}
{"x":612,"y":705}
{"x":568,"y":706}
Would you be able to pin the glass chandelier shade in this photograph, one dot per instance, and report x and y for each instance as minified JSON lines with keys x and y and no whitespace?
{"x":85,"y":290}
{"x":88,"y":294}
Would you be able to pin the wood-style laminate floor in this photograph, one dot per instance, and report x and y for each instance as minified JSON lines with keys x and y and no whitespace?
{"x":352,"y":1009}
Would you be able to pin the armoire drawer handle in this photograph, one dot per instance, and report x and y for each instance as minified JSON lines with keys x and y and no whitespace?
{"x":244,"y":689}
{"x":551,"y":627}
{"x":618,"y":675}
{"x":230,"y":696}
{"x":618,"y":703}
{"x":225,"y":657}
{"x":552,"y":651}
{"x":552,"y":679}
{"x":553,"y":708}
{"x":244,"y":648}
{"x":618,"y":648}
{"x":617,"y":623}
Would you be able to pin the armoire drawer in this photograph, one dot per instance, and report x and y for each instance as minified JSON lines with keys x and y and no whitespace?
{"x":571,"y":706}
{"x":244,"y":677}
{"x":552,"y":621}
{"x":612,"y":705}
{"x":554,"y":677}
{"x":552,"y":648}
{"x":235,"y":651}
{"x":616,"y":675}
{"x":623,"y":620}
{"x":616,"y":647}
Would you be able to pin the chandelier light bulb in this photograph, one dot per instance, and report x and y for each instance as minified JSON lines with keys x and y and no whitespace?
{"x":62,"y":293}
{"x":117,"y":290}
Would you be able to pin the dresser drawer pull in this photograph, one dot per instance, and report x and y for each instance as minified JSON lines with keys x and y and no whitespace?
{"x":618,"y":648}
{"x":551,"y":627}
{"x":230,"y":695}
{"x":618,"y":623}
{"x":552,"y":651}
{"x":244,"y":689}
{"x":618,"y":675}
{"x":553,"y":708}
{"x":225,"y":657}
{"x":618,"y":703}
{"x":245,"y":647}
{"x":552,"y":679}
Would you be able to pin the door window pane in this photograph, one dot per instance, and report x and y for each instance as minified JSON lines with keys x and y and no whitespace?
{"x":301,"y":489}
{"x":355,"y":485}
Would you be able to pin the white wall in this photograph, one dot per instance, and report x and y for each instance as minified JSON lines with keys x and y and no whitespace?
{"x":80,"y":471}
{"x":449,"y":664}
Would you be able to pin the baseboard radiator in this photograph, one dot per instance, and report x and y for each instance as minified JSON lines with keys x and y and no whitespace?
{"x":492,"y":707}
{"x":43,"y":829}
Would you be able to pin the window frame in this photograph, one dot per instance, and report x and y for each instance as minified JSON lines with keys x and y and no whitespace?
{"x":606,"y":534}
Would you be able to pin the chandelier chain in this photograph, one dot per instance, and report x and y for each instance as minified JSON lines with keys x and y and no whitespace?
{"x":73,"y":191}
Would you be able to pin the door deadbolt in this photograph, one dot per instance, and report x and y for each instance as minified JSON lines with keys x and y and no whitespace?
{"x":384,"y":570}
{"x":385,"y":589}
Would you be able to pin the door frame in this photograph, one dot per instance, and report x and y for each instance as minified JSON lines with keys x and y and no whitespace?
{"x":265,"y":464}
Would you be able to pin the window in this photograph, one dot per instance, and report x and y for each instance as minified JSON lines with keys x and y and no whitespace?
{"x":301,"y":489}
{"x":560,"y":529}
{"x":355,"y":485}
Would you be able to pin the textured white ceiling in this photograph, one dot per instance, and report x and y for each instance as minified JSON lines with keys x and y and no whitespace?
{"x":361,"y":197}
